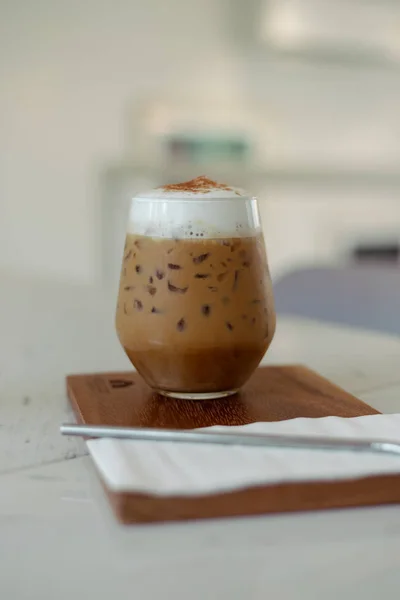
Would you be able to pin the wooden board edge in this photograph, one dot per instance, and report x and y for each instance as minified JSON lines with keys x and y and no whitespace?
{"x":137,"y":508}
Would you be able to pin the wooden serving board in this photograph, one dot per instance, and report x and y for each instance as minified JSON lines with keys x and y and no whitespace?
{"x":272,"y":394}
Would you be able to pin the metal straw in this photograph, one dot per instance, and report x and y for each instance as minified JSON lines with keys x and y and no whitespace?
{"x":232,"y":439}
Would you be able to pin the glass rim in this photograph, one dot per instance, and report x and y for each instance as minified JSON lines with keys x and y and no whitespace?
{"x":190,"y":199}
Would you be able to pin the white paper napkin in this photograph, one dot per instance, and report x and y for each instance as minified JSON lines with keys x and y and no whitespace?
{"x":167,"y":468}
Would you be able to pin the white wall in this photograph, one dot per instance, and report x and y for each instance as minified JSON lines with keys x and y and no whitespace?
{"x":68,"y":69}
{"x":322,"y":227}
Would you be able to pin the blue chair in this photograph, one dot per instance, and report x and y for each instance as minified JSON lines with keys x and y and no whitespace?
{"x":359,"y":296}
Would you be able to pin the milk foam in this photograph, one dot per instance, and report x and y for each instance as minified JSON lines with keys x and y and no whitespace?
{"x":214,"y":213}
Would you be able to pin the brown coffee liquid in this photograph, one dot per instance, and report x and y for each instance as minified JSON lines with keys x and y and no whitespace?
{"x":195,"y":315}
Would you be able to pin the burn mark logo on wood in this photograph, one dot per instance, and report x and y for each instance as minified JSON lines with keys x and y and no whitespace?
{"x":120,"y":383}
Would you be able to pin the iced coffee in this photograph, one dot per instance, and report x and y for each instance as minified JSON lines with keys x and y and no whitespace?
{"x":195,"y":310}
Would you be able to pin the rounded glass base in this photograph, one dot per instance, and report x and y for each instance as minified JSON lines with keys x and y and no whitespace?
{"x":198,"y":396}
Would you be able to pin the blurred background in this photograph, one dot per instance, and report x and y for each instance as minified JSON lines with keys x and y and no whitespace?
{"x":296,"y":100}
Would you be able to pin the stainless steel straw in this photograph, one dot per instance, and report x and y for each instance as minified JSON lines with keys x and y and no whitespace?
{"x":232,"y":439}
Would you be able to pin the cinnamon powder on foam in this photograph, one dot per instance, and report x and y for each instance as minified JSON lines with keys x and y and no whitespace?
{"x":197,"y":186}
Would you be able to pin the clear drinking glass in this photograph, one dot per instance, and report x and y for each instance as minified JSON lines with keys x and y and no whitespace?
{"x":195,"y":311}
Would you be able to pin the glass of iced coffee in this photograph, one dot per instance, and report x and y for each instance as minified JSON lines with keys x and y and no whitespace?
{"x":195,"y":310}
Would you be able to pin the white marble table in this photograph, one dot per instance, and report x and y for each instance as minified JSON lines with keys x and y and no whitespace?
{"x":58,"y":538}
